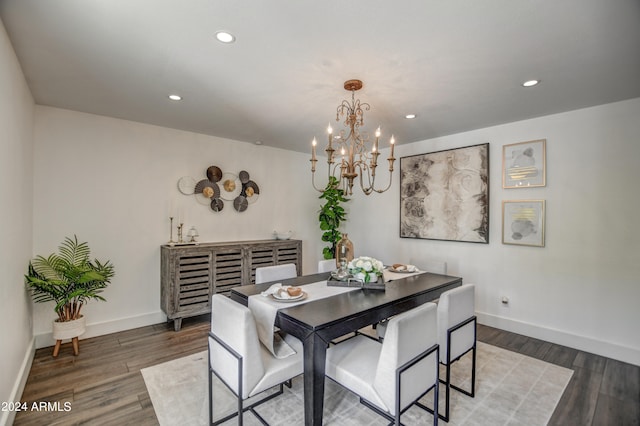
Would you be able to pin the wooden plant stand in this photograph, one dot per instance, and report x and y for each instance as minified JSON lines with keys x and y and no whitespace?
{"x":74,"y":342}
{"x":68,"y":330}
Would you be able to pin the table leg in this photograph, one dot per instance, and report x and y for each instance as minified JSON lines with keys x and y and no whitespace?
{"x":315,"y":353}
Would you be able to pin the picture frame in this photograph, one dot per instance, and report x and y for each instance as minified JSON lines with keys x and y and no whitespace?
{"x":444,"y":195}
{"x":524,"y":164}
{"x":523,"y":222}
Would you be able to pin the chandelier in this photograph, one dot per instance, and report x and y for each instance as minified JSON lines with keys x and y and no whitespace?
{"x":355,"y":159}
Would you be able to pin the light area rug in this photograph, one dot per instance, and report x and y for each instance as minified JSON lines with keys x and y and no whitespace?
{"x":511,"y":389}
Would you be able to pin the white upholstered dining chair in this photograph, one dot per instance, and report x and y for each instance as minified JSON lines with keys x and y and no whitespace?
{"x":435,"y":266}
{"x":457,"y":335}
{"x":277,"y":272}
{"x":327,"y":265}
{"x":238,"y":359}
{"x":393,"y":375}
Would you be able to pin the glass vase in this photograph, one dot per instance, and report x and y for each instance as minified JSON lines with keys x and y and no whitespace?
{"x":344,"y":250}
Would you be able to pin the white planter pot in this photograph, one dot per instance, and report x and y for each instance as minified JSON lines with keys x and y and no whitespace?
{"x":69,"y":329}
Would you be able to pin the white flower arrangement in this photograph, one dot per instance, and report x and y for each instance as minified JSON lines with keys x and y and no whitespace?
{"x":365,"y":268}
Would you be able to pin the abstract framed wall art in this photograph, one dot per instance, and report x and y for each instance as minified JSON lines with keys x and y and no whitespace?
{"x":444,"y":195}
{"x":523,"y":222}
{"x":524,"y":164}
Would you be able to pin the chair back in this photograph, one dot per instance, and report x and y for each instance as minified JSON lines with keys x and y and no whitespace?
{"x":456,"y":306}
{"x":233,"y":323}
{"x":327,"y":265}
{"x":408,"y":335}
{"x":435,"y":266}
{"x":277,"y":272}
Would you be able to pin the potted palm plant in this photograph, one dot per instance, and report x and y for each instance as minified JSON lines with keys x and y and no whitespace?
{"x":69,"y":279}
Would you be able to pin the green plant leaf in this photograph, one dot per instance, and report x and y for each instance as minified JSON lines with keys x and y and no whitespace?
{"x":68,"y":278}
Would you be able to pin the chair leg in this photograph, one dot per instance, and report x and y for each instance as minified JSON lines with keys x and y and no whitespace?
{"x":210,"y":394}
{"x":447,"y":392}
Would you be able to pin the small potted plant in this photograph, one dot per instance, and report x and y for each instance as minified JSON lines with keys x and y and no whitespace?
{"x":69,"y":279}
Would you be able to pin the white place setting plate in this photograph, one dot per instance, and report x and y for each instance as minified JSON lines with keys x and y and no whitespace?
{"x":404,"y":269}
{"x":301,"y":296}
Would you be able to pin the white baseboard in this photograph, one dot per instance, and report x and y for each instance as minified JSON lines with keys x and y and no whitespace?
{"x":99,"y":329}
{"x":583,"y":343}
{"x":7,"y":417}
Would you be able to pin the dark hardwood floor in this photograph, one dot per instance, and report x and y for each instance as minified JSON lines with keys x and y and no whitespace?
{"x":105,"y":387}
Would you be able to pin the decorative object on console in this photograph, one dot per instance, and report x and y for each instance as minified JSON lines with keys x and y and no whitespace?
{"x":357,"y":158}
{"x":524,"y":164}
{"x":69,"y":279}
{"x":523,"y":222}
{"x":444,"y":195}
{"x":285,"y":235}
{"x":193,"y":234}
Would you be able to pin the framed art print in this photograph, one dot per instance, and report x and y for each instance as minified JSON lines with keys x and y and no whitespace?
{"x":524,"y":164}
{"x":523,"y":222}
{"x":444,"y":195}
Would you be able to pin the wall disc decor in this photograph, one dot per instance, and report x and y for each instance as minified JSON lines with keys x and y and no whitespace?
{"x":230,"y":186}
{"x":214,"y":173}
{"x":217,"y":204}
{"x":208,"y":188}
{"x":219,"y":187}
{"x":240,"y":203}
{"x":250,"y":191}
{"x":187,"y":185}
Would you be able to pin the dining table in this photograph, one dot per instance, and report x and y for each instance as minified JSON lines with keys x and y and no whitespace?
{"x":317,"y":322}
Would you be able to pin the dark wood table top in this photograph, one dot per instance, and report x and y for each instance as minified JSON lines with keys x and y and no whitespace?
{"x":323,"y":313}
{"x":317,"y":322}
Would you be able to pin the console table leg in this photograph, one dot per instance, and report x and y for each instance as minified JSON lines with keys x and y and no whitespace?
{"x":177,"y":324}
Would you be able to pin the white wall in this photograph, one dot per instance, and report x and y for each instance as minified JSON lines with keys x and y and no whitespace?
{"x":582,"y":289}
{"x":111,"y":182}
{"x":16,"y":189}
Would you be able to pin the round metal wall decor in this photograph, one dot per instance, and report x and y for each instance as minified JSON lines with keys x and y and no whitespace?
{"x":217,"y":204}
{"x":214,"y":173}
{"x":240,"y":203}
{"x":230,"y":186}
{"x":219,"y":187}
{"x":187,"y":185}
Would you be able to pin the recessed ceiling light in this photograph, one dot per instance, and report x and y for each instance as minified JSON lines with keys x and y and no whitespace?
{"x":530,"y":83}
{"x":410,"y":116}
{"x":175,"y":97}
{"x":225,"y":37}
{"x":258,"y":142}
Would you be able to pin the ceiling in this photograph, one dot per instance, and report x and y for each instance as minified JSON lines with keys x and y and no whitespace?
{"x":457,"y":64}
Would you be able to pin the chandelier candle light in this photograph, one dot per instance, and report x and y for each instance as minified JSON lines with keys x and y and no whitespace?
{"x":357,"y":159}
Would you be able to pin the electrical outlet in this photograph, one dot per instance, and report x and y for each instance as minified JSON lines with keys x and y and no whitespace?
{"x":505,"y":300}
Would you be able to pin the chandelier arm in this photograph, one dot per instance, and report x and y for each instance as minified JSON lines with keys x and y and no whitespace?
{"x":380,"y":191}
{"x":368,"y":189}
{"x":313,"y":182}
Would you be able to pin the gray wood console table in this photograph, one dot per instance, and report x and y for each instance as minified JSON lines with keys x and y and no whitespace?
{"x":192,"y":273}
